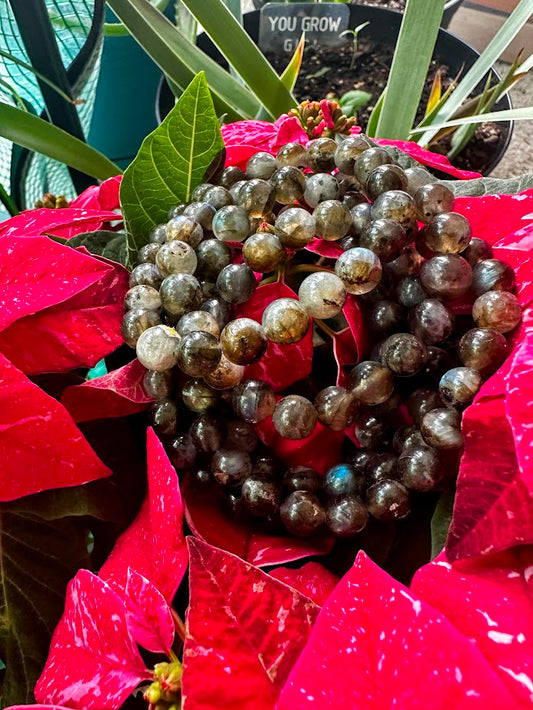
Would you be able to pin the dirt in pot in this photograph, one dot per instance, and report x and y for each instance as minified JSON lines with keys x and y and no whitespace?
{"x":334,"y":71}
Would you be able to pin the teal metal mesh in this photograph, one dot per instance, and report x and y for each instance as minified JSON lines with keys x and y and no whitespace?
{"x":71,"y":21}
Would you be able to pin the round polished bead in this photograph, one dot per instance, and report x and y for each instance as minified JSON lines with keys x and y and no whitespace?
{"x":343,"y":479}
{"x":145,"y":298}
{"x":200,"y":190}
{"x":241,"y":436}
{"x":492,"y":275}
{"x":198,"y":396}
{"x":288,"y":184}
{"x":261,"y":497}
{"x":385,"y":317}
{"x":147,"y":254}
{"x":230,"y":175}
{"x":448,"y":233}
{"x":368,"y":161}
{"x":322,"y":294}
{"x":257,"y":197}
{"x":219,"y":309}
{"x":263,"y":252}
{"x":407,"y":264}
{"x":185,"y":229}
{"x":156,"y":348}
{"x":477,"y":250}
{"x":135,"y":322}
{"x":293,"y":154}
{"x":336,"y":407}
{"x":384,"y":237}
{"x":217,"y":196}
{"x":197,"y":320}
{"x":159,"y":384}
{"x":441,"y":429}
{"x":347,"y":151}
{"x":320,"y":187}
{"x":438,"y":361}
{"x":198,"y":353}
{"x":396,"y":205}
{"x":253,"y":400}
{"x":370,"y":430}
{"x":417,"y":177}
{"x":261,"y":165}
{"x":302,"y":478}
{"x":333,"y":220}
{"x":361,"y":217}
{"x":321,"y":155}
{"x":483,"y":349}
{"x":497,"y":309}
{"x":404,"y":354}
{"x":302,"y":514}
{"x":231,"y":224}
{"x":419,"y":468}
{"x":295,"y":227}
{"x":459,"y":386}
{"x":294,"y":417}
{"x":230,"y":467}
{"x":371,"y":382}
{"x":164,"y":416}
{"x":182,"y":452}
{"x":447,"y":275}
{"x":208,"y":433}
{"x":430,"y":200}
{"x":384,"y":178}
{"x":236,"y":283}
{"x":158,"y":234}
{"x":359,"y":269}
{"x":285,"y":321}
{"x":212,"y":255}
{"x":409,"y":292}
{"x":225,"y":376}
{"x":388,"y":500}
{"x":407,"y":436}
{"x":432,"y":321}
{"x":146,"y":274}
{"x":422,"y":401}
{"x":382,"y":467}
{"x":243,"y":341}
{"x":201,"y":212}
{"x":346,"y":516}
{"x":176,"y":257}
{"x":180,"y":293}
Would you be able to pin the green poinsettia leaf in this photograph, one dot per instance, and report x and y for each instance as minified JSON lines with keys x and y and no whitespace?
{"x":490,"y":186}
{"x":38,"y":558}
{"x":172,"y":160}
{"x":104,"y":243}
{"x":440,"y":522}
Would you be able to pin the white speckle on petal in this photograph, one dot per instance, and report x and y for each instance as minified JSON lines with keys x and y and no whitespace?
{"x":500,"y":637}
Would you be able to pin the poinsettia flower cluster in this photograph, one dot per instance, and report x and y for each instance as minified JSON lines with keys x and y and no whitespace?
{"x":461,"y":636}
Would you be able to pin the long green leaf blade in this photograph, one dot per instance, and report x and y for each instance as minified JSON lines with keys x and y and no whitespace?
{"x":410,"y":64}
{"x":291,"y":71}
{"x":498,"y":44}
{"x":180,"y":60}
{"x":172,"y":160}
{"x":243,"y":54}
{"x":35,"y":134}
{"x":513,"y":114}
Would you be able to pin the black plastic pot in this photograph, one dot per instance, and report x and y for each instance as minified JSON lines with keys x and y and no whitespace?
{"x":450,"y":8}
{"x":384,"y":26}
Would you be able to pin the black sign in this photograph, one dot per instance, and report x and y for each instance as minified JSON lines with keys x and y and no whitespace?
{"x":282,"y":24}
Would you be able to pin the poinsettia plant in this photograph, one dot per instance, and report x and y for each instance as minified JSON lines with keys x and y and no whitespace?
{"x":157,"y":596}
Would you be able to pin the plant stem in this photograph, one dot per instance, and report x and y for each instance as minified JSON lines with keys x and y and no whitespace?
{"x":178,"y":624}
{"x":8,"y":201}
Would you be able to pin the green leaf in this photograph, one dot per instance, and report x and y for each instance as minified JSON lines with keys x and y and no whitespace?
{"x":513,"y":114}
{"x":440,"y":522}
{"x":38,"y":558}
{"x":372,"y":124}
{"x":180,"y":60}
{"x":496,"y":46}
{"x":34,"y":133}
{"x":291,"y":71}
{"x":104,"y":243}
{"x":352,"y":101}
{"x":172,"y":160}
{"x":489,"y":186}
{"x":414,"y":49}
{"x":242,"y":54}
